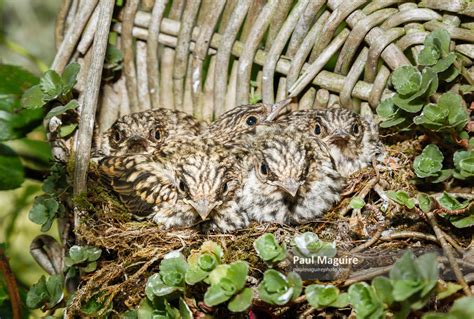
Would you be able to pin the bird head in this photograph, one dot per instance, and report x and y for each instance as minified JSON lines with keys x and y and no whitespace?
{"x":205,"y":181}
{"x":243,"y":120}
{"x":281,"y":159}
{"x":136,"y":133}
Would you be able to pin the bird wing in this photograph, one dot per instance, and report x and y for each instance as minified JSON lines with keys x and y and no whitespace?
{"x":141,"y":182}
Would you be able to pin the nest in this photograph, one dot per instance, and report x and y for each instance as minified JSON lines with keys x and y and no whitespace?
{"x":132,"y":250}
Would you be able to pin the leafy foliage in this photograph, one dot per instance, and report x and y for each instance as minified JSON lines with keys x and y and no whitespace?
{"x":308,"y":244}
{"x":402,"y":198}
{"x":84,"y":256}
{"x":47,"y":293}
{"x":268,"y":249}
{"x":278,"y":289}
{"x":202,"y":262}
{"x":321,"y":296}
{"x":170,"y":278}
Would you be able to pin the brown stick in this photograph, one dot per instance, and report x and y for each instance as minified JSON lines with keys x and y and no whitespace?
{"x":11,"y":285}
{"x":131,"y":8}
{"x":449,"y":253}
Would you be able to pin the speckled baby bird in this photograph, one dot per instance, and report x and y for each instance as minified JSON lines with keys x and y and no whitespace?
{"x":290,"y":178}
{"x":144,"y":132}
{"x":188,"y":183}
{"x":352,"y":140}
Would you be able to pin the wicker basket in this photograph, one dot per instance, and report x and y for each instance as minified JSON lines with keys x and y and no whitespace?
{"x":207,"y":56}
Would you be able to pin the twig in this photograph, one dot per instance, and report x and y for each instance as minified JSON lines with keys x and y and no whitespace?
{"x":91,"y":95}
{"x":449,"y":253}
{"x":60,"y":22}
{"x":72,"y":36}
{"x":366,"y":275}
{"x":409,"y":234}
{"x":131,"y":8}
{"x":152,"y":52}
{"x":11,"y":285}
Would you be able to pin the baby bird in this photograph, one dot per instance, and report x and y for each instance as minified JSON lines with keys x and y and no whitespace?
{"x":189,"y":182}
{"x":284,"y":169}
{"x":237,"y":124}
{"x":352,"y":140}
{"x":207,"y":179}
{"x":144,"y":132}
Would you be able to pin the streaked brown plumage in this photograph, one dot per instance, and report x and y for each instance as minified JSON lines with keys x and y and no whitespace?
{"x":144,"y":132}
{"x":352,"y":140}
{"x":284,"y":169}
{"x":189,"y":182}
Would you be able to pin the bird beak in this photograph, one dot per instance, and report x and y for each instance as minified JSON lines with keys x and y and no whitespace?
{"x":137,"y":144}
{"x":203,"y":207}
{"x":277,"y":108}
{"x":290,"y":186}
{"x":340,"y":138}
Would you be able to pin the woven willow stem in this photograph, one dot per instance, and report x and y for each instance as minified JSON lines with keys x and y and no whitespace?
{"x":152,"y":51}
{"x":72,"y":36}
{"x":327,"y":80}
{"x":91,"y":94}
{"x":129,"y":71}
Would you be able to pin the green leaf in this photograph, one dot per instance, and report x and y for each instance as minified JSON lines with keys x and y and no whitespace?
{"x":51,"y":85}
{"x":425,"y":202}
{"x":194,"y":274}
{"x":69,"y":76}
{"x":320,"y":296}
{"x":402,"y":198}
{"x":392,"y":122}
{"x":383,"y":289}
{"x":440,"y":39}
{"x":296,"y":283}
{"x":207,"y":262}
{"x":93,"y":253}
{"x":58,"y":110}
{"x":429,"y":55}
{"x":237,"y":273}
{"x":405,"y":278}
{"x":12,"y":174}
{"x":429,"y":162}
{"x":45,"y":292}
{"x":43,"y":212}
{"x":463,"y":221}
{"x":15,"y":81}
{"x":241,"y":301}
{"x":444,"y":63}
{"x":406,"y":80}
{"x":78,"y":254}
{"x":308,"y":244}
{"x":32,"y":98}
{"x":216,"y":294}
{"x":427,"y":265}
{"x":67,"y":130}
{"x":464,"y":164}
{"x":450,"y":202}
{"x":458,"y":116}
{"x":268,"y":248}
{"x":408,"y":105}
{"x":18,"y":124}
{"x":274,"y":288}
{"x":450,"y":289}
{"x":156,"y":287}
{"x":365,"y":302}
{"x":37,"y":295}
{"x":184,"y":310}
{"x":357,"y":203}
{"x":462,"y":308}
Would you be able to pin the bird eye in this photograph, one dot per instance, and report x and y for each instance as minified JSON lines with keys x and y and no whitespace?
{"x":355,"y":129}
{"x":156,"y":135}
{"x":264,"y":169}
{"x":317,"y":129}
{"x":225,"y":188}
{"x":251,"y":120}
{"x":182,"y":186}
{"x":117,"y":137}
